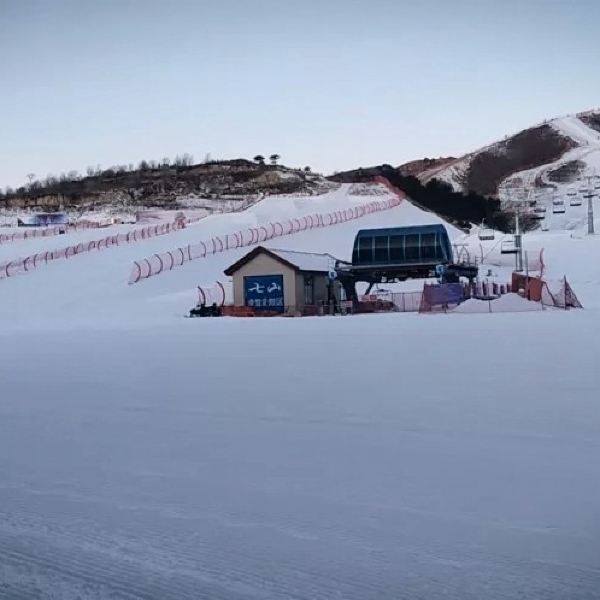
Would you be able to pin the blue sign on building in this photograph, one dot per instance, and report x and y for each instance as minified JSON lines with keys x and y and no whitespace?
{"x":264,"y":292}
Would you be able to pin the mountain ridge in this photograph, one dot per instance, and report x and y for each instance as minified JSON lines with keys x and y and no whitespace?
{"x":555,"y":152}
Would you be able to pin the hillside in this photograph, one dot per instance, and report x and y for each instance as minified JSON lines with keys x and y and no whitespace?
{"x":416,"y":167}
{"x":164,"y":186}
{"x":543,"y":157}
{"x":461,"y":209}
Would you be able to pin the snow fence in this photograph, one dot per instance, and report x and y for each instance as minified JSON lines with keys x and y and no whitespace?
{"x":45,"y":232}
{"x":167,"y":261}
{"x":29,"y":263}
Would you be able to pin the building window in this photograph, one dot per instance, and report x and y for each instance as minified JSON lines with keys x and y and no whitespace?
{"x":365,"y":249}
{"x":411,"y":246}
{"x":396,"y":248}
{"x":382,"y":254}
{"x":428,"y":246}
{"x":309,"y":290}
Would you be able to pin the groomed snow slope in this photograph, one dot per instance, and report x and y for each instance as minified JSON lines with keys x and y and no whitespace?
{"x":95,"y":282}
{"x":148,"y":456}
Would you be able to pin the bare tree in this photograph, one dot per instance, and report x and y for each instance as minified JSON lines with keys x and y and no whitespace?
{"x":50,"y":180}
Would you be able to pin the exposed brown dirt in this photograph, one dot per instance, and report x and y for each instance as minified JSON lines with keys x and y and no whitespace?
{"x":162,"y":187}
{"x":567,"y":172}
{"x":528,"y":149}
{"x":416,"y":167}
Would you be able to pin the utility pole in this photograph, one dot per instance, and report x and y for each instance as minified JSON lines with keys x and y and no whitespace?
{"x":590,"y":213}
{"x":518,"y":243}
{"x":526,"y":276}
{"x":518,"y":239}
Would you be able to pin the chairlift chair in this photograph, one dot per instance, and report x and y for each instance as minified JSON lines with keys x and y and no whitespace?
{"x":486,"y":234}
{"x":508,"y":247}
{"x":575,"y":202}
{"x":545,"y":226}
{"x":558,"y":209}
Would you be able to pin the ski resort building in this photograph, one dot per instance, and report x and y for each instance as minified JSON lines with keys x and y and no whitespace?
{"x":284,"y":281}
{"x":43,"y":220}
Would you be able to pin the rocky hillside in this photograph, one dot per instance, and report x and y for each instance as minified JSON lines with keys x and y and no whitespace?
{"x":166,"y":186}
{"x":461,"y":209}
{"x":416,"y":167}
{"x":548,"y":155}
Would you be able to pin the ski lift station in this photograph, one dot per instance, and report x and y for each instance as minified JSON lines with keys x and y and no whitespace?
{"x":283,"y":281}
{"x":400,"y":253}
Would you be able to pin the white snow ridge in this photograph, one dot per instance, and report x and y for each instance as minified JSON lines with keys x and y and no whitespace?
{"x":146,"y":456}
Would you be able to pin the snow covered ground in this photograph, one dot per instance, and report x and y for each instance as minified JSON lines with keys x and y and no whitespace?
{"x":148,"y":456}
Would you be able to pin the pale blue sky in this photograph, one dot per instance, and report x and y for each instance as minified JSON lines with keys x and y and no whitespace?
{"x":334,"y":84}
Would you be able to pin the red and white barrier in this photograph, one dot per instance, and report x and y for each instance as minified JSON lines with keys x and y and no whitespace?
{"x":46,"y":231}
{"x":33,"y":261}
{"x":216,"y":294}
{"x":156,"y":264}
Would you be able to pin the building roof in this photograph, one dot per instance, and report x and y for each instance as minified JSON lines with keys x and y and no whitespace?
{"x":299,"y":261}
{"x":432,"y":228}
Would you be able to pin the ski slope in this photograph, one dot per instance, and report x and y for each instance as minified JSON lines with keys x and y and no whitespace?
{"x":586,"y":151}
{"x":536,"y":183}
{"x":96,"y":282}
{"x":146,"y":456}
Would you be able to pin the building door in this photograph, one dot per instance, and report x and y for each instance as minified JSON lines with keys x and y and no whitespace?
{"x":264,"y":292}
{"x":309,"y":290}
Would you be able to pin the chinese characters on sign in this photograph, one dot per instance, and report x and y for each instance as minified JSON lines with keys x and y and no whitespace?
{"x":264,"y":292}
